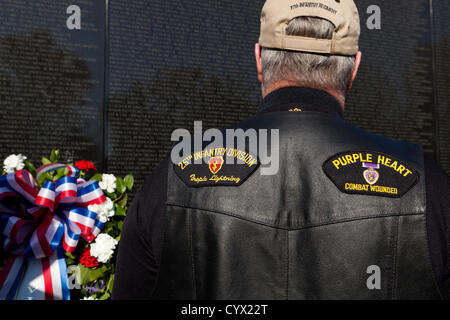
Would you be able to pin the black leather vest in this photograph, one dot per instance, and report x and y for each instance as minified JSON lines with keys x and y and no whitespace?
{"x":295,"y":235}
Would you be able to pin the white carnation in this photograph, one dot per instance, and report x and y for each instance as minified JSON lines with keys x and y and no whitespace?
{"x":89,"y":298}
{"x":103,"y":247}
{"x":14,"y":163}
{"x":104,"y":211}
{"x":108,"y":183}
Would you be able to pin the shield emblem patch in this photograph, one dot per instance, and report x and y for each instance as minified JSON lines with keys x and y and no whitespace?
{"x":215,"y":164}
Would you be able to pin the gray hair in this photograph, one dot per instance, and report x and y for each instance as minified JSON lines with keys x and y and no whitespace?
{"x":307,"y":69}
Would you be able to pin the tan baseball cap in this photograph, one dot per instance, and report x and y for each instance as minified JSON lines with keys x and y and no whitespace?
{"x":343,"y":14}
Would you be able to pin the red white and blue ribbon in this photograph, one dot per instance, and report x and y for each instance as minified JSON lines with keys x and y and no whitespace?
{"x":42,"y":224}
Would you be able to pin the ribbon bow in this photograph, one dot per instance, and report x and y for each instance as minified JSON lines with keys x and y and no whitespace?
{"x":38,"y":225}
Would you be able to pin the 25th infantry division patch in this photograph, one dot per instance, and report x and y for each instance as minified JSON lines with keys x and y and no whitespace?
{"x":370,"y":173}
{"x":218,"y":167}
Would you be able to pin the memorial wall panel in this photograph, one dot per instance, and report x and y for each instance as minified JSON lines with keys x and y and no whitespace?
{"x":442,"y":40}
{"x":393,"y":94}
{"x":52,"y":78}
{"x":172,"y":63}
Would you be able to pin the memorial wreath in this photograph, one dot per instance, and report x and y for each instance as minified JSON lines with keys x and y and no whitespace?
{"x":60,"y":225}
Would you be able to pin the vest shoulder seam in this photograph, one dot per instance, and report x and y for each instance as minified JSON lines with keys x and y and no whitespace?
{"x":301,"y":227}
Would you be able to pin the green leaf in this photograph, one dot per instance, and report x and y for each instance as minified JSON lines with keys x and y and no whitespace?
{"x":70,"y":258}
{"x":109,"y":227}
{"x":54,"y":156}
{"x":30,"y":167}
{"x":120,"y":186}
{"x":45,"y":161}
{"x":44,"y":177}
{"x":98,"y":273}
{"x":84,"y":274}
{"x":61,"y":173}
{"x":129,"y":181}
{"x":88,"y":275}
{"x":105,"y":296}
{"x":120,"y":211}
{"x":112,"y":196}
{"x":69,"y":255}
{"x":98,"y":177}
{"x":122,"y":203}
{"x":110,"y":284}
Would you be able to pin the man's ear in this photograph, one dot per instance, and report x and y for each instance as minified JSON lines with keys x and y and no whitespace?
{"x":355,"y":70}
{"x":258,"y":62}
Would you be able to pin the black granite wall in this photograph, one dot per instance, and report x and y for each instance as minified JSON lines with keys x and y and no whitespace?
{"x":113,"y":88}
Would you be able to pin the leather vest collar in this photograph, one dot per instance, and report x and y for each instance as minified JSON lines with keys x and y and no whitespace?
{"x":300,"y":99}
